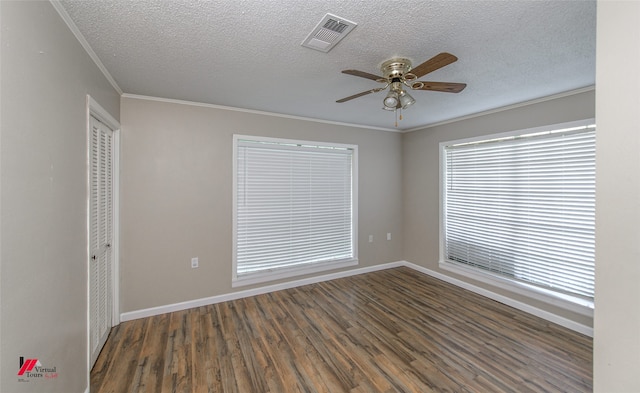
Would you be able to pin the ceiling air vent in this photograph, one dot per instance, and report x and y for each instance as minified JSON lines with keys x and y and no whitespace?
{"x":328,"y":33}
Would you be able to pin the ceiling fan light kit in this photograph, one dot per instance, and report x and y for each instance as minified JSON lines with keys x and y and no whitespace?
{"x":391,"y":101}
{"x":398,"y":74}
{"x":406,"y":100}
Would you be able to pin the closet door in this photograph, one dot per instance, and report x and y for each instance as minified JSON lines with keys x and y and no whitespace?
{"x":101,"y":236}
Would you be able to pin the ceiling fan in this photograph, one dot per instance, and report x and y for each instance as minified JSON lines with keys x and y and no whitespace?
{"x":397,"y":73}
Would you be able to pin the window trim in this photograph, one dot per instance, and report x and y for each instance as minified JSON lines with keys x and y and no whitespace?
{"x":260,"y":277}
{"x":565,"y":301}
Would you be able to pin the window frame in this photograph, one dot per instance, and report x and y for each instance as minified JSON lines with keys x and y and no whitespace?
{"x":565,"y":301}
{"x":282,"y":273}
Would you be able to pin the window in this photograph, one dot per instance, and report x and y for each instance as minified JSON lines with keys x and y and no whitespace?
{"x":294,"y":207}
{"x":521,"y":208}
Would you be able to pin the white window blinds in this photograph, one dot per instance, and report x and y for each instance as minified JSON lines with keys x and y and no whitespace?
{"x":524,"y":208}
{"x":294,"y":205}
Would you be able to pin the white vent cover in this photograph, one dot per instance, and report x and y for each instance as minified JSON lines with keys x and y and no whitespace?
{"x":328,"y":33}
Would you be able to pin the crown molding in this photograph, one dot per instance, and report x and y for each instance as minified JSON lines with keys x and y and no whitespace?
{"x":506,"y":108}
{"x":252,"y":111}
{"x":85,"y":44}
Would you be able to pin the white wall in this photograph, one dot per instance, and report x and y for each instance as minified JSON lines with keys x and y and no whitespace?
{"x":45,"y":76}
{"x":617,"y":309}
{"x":176,"y":195}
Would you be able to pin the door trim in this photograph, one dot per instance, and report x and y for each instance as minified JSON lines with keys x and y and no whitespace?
{"x":96,"y":110}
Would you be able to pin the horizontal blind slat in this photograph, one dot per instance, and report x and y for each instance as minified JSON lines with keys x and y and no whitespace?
{"x":294,"y":205}
{"x":524,"y":209}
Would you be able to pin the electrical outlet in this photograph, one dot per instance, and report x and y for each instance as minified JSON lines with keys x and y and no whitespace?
{"x":388,"y":235}
{"x":370,"y":238}
{"x":194,"y":262}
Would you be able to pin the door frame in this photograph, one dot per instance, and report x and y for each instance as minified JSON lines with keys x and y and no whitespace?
{"x":96,"y":110}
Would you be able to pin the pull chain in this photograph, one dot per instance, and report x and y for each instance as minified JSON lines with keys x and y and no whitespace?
{"x":398,"y":114}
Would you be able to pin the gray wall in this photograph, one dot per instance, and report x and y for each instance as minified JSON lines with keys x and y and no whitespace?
{"x":421,"y":177}
{"x":176,"y":195}
{"x":45,"y":76}
{"x":617,"y":314}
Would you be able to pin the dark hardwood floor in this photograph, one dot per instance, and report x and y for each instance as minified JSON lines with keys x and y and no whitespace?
{"x":395,"y":330}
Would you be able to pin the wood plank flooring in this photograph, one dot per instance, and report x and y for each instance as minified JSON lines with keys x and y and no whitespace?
{"x":395,"y":330}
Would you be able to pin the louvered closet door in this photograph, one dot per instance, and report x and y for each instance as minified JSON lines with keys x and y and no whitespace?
{"x":101,"y":236}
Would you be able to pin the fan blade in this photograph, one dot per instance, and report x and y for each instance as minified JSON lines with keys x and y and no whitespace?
{"x":362,"y":74}
{"x":444,"y":87}
{"x":364,"y":93}
{"x":436,"y":62}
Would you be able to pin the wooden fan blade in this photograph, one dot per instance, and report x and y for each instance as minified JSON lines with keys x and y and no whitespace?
{"x":364,"y":93}
{"x":444,"y":87}
{"x":436,"y":62}
{"x":362,"y":74}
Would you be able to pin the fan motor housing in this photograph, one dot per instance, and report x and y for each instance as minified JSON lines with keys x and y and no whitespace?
{"x":395,"y":68}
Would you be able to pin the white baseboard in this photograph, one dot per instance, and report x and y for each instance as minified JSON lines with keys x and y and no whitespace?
{"x":148,"y":312}
{"x":546,"y":315}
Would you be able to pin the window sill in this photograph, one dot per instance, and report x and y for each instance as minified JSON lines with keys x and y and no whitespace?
{"x":261,"y":277}
{"x":564,"y":301}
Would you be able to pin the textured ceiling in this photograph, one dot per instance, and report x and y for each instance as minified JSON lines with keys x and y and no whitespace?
{"x":247,"y":53}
